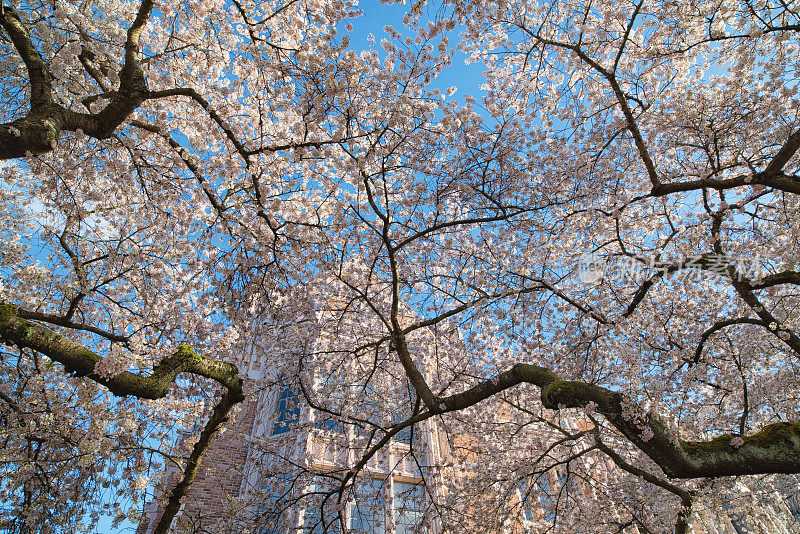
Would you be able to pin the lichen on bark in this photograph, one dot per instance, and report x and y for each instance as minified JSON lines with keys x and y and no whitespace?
{"x":80,"y":361}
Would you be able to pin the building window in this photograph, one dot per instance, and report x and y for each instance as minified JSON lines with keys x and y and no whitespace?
{"x":546,"y":497}
{"x":739,"y":524}
{"x":409,"y":506}
{"x":405,"y":435}
{"x":367,"y":512}
{"x":369,"y":507}
{"x":738,"y":519}
{"x":277,"y":490}
{"x":287,"y":411}
{"x":544,"y":492}
{"x":312,"y":517}
{"x":524,"y":490}
{"x":793,"y":503}
{"x":312,"y":523}
{"x":323,"y":421}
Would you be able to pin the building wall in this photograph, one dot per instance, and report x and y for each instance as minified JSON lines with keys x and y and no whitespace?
{"x":210,"y":507}
{"x":216,"y":484}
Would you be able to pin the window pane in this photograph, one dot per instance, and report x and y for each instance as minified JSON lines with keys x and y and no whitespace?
{"x":525,"y":499}
{"x":312,"y":523}
{"x":793,"y":502}
{"x":409,"y":503}
{"x":738,"y":518}
{"x":404,"y":436}
{"x":367,"y":513}
{"x":287,"y":412}
{"x":546,"y":497}
{"x":277,"y":490}
{"x":324,"y":422}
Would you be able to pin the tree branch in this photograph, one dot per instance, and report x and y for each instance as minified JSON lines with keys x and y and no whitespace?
{"x":686,"y":497}
{"x":218,"y":418}
{"x":38,"y":74}
{"x":776,"y":180}
{"x":67,"y":323}
{"x":719,"y":326}
{"x":630,"y":120}
{"x":775,"y":449}
{"x":39,"y":130}
{"x":783,"y":277}
{"x":77,"y":359}
{"x":784,"y":154}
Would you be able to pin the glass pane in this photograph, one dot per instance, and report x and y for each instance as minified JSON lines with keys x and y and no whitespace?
{"x":409,"y":503}
{"x":738,"y":518}
{"x":524,"y":491}
{"x":277,"y":490}
{"x":404,"y":436}
{"x":793,"y":502}
{"x":367,"y":513}
{"x":312,"y":523}
{"x":546,"y":497}
{"x":287,"y":412}
{"x":323,"y":422}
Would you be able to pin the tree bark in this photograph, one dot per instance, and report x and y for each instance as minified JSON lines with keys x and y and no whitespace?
{"x":775,"y":449}
{"x":80,"y":361}
{"x":39,"y":130}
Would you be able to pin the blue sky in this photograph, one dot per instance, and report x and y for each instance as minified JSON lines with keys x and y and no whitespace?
{"x":467,"y":78}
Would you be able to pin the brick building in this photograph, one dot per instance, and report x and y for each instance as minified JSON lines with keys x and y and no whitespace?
{"x":271,"y":468}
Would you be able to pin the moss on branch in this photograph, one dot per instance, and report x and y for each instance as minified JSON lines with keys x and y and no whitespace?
{"x":775,"y":449}
{"x":79,"y":360}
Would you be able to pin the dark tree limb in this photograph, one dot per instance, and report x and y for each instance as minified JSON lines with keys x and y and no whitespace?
{"x":785,"y":153}
{"x":783,"y":277}
{"x":781,"y":331}
{"x":719,"y":326}
{"x":77,"y":359}
{"x":66,"y":322}
{"x":39,"y":130}
{"x":218,"y":418}
{"x":775,"y":180}
{"x":38,"y":74}
{"x":81,"y":361}
{"x":775,"y":449}
{"x":686,"y":497}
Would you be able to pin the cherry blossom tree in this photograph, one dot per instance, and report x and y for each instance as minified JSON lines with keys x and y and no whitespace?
{"x":600,"y":255}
